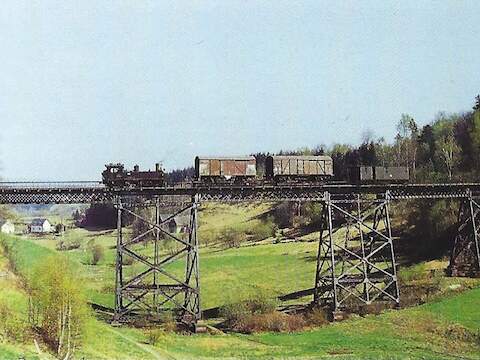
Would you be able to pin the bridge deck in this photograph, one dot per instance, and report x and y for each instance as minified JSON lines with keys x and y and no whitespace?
{"x":86,"y":192}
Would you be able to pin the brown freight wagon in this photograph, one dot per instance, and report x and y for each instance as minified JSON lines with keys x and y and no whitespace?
{"x":298,"y":167}
{"x":225,"y":169}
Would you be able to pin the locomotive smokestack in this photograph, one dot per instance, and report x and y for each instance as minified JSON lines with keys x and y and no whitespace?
{"x":157,"y":167}
{"x":136,"y":168}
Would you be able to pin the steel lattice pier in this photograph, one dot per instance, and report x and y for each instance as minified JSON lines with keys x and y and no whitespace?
{"x":356,"y":260}
{"x":465,"y":256}
{"x":155,"y":287}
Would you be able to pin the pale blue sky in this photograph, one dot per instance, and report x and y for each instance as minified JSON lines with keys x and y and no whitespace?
{"x":83,"y":83}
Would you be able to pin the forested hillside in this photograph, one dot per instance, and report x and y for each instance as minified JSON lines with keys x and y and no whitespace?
{"x":445,"y":149}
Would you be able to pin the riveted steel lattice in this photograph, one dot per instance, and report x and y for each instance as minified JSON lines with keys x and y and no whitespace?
{"x":465,"y":256}
{"x":54,"y":196}
{"x":150,"y":285}
{"x":261,"y":195}
{"x":356,"y":262}
{"x":86,"y":192}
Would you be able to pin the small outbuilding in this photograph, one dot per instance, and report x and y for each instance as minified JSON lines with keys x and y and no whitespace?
{"x":179,"y":224}
{"x":7,"y":227}
{"x":40,"y":226}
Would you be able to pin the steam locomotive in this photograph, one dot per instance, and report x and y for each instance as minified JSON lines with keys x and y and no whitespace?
{"x":115,"y":176}
{"x":244,"y":170}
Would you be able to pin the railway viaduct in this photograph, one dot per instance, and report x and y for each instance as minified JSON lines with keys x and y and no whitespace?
{"x":355,"y":261}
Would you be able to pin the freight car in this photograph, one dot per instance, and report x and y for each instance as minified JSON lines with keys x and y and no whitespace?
{"x":371,"y":174}
{"x":115,"y":176}
{"x":232,"y":170}
{"x":298,"y":168}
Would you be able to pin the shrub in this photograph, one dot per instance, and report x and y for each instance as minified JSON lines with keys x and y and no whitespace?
{"x":317,"y":317}
{"x":58,"y":305}
{"x":272,"y":321}
{"x":10,"y":252}
{"x":141,"y":227}
{"x":418,"y":294}
{"x":67,"y":245}
{"x":97,"y":254}
{"x":234,"y":312}
{"x":231,"y":238}
{"x":458,"y":332}
{"x":259,"y":304}
{"x":283,"y":214}
{"x":413,"y":273}
{"x":154,"y":336}
{"x":299,"y":221}
{"x":12,"y":326}
{"x":208,"y":236}
{"x":261,"y":230}
{"x":127,"y":260}
{"x":168,"y":321}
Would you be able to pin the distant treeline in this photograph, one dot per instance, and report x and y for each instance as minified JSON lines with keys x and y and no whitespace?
{"x":180,"y":175}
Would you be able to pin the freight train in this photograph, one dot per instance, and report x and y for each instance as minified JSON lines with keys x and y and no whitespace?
{"x":286,"y":169}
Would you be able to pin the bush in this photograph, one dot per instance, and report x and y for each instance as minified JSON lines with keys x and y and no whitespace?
{"x":273,"y":321}
{"x":231,"y":238}
{"x":141,"y":227}
{"x":97,"y":254}
{"x":261,"y":230}
{"x":283,"y":214}
{"x":12,"y":326}
{"x":208,"y":237}
{"x":413,"y":273}
{"x":260,"y":304}
{"x":458,"y":332}
{"x":317,"y":317}
{"x":430,"y":227}
{"x":67,"y":245}
{"x":127,"y":260}
{"x":58,"y":307}
{"x":168,"y":321}
{"x":10,"y":252}
{"x":154,"y":336}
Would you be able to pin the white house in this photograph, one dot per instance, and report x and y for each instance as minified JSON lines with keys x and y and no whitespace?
{"x":40,"y":226}
{"x":7,"y":227}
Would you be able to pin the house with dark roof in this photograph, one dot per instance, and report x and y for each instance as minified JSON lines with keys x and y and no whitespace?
{"x":6,"y":226}
{"x":40,"y":226}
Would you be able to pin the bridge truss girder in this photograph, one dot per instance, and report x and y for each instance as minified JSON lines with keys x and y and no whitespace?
{"x":153,"y":287}
{"x":355,"y":261}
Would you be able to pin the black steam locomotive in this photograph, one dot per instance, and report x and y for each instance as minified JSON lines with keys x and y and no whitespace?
{"x":243,"y":170}
{"x":115,"y":176}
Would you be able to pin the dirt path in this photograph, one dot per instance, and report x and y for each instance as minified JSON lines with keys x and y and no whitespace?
{"x":156,"y":354}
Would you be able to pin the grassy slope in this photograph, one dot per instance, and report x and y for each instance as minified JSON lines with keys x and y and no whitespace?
{"x":111,"y":344}
{"x":412,"y":333}
{"x":12,"y":295}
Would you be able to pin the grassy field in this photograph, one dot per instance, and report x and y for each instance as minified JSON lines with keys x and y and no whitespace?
{"x":448,"y":327}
